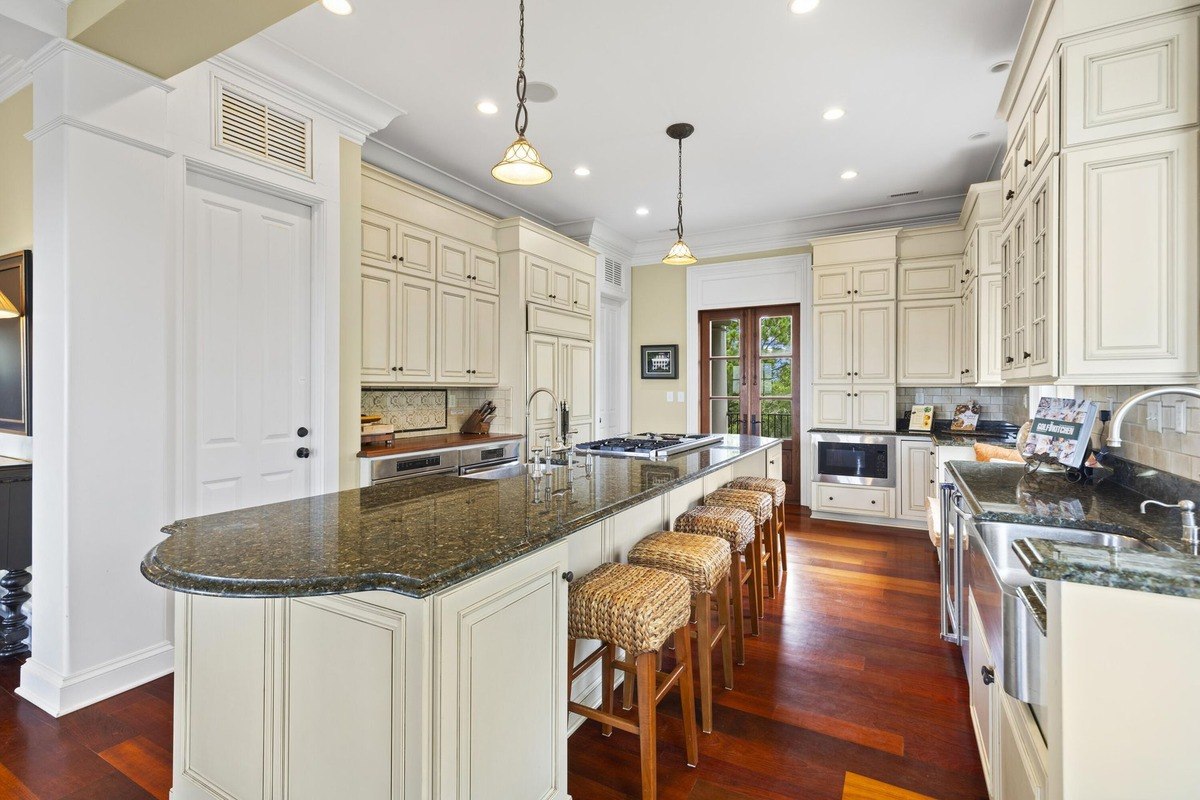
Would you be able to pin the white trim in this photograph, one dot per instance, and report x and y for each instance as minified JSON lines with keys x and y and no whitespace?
{"x":263,"y":60}
{"x":63,"y":120}
{"x":756,"y":275}
{"x":801,"y":231}
{"x":54,"y":48}
{"x":57,"y":694}
{"x":14,"y":76}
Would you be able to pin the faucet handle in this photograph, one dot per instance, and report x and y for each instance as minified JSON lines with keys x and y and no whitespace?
{"x":1182,"y":505}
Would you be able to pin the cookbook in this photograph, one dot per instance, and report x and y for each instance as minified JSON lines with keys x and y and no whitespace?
{"x":1061,"y":431}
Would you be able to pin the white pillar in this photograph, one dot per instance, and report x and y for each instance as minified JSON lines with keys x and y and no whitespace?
{"x":103,"y":372}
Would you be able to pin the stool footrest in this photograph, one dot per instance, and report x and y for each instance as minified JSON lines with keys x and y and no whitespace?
{"x":603,"y":718}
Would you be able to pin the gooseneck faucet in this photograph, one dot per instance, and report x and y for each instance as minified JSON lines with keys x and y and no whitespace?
{"x":1114,"y":434}
{"x":529,"y":406}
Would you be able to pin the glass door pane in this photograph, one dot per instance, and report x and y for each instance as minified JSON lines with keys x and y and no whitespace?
{"x":723,"y":372}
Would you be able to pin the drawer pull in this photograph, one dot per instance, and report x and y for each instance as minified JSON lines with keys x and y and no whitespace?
{"x":1010,"y":195}
{"x":568,"y":576}
{"x":988,"y":674}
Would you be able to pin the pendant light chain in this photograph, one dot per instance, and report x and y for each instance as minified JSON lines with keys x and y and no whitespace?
{"x":522,"y":121}
{"x":679,"y":197}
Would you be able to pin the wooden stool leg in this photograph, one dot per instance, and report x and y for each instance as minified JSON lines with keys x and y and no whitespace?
{"x":687,"y":696}
{"x":727,"y":638}
{"x":777,"y":545}
{"x":627,"y":692}
{"x":647,"y":727}
{"x":768,"y":530}
{"x":754,"y":551}
{"x":704,"y":656}
{"x":782,"y":537}
{"x":736,"y":571}
{"x":606,"y":685}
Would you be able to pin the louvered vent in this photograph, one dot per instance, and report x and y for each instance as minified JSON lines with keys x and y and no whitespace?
{"x":254,"y":127}
{"x":614,"y":273}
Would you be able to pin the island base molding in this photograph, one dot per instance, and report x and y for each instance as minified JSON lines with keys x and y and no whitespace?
{"x":58,"y":694}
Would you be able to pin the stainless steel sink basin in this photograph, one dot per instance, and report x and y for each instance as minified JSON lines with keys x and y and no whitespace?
{"x":514,"y":470}
{"x":998,"y":537}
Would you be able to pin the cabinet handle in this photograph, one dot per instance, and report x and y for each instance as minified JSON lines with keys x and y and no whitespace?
{"x":1028,"y":162}
{"x":568,"y":576}
{"x":989,"y":675}
{"x":847,"y":394}
{"x":847,"y":291}
{"x":872,"y":502}
{"x":931,"y":480}
{"x":847,"y":374}
{"x":1027,"y":357}
{"x":856,"y":374}
{"x":395,"y":258}
{"x":856,"y":394}
{"x":1009,"y":195}
{"x":856,"y":291}
{"x":399,"y":258}
{"x":1008,"y":359}
{"x":394,"y":369}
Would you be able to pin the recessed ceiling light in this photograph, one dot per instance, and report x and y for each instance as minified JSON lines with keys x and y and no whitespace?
{"x":849,"y":175}
{"x":339,"y":7}
{"x":642,"y":211}
{"x":539,"y":92}
{"x":975,"y":137}
{"x":802,"y":6}
{"x":833,"y":113}
{"x":582,"y":172}
{"x":487,"y":107}
{"x":1000,"y":66}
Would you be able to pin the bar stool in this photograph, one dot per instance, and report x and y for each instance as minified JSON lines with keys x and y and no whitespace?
{"x":737,"y":528}
{"x":637,"y":609}
{"x":777,"y":489}
{"x":704,"y":561}
{"x":760,"y":506}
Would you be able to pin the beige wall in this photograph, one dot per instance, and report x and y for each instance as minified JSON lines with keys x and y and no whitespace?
{"x":659,"y":316}
{"x":16,"y":172}
{"x":350,"y":355}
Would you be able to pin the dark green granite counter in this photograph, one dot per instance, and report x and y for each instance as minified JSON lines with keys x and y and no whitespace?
{"x":1005,"y":493}
{"x":414,"y":537}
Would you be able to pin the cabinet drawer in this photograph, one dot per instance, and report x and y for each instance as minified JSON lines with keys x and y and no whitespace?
{"x":1133,"y":82}
{"x":866,"y":500}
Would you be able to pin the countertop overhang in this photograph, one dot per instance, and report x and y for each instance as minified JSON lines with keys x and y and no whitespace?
{"x":414,"y":537}
{"x":1004,"y":492}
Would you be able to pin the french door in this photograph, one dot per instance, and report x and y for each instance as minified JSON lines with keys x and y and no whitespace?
{"x":750,"y":378}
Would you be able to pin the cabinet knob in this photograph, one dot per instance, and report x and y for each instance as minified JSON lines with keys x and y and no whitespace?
{"x":568,"y":576}
{"x":1028,"y":162}
{"x":1028,"y":356}
{"x":856,"y":291}
{"x":395,"y":258}
{"x":872,"y":502}
{"x":400,"y":369}
{"x":847,"y":394}
{"x":856,"y":374}
{"x":394,"y":369}
{"x":1008,"y":359}
{"x":1009,"y":194}
{"x":847,"y":291}
{"x":931,"y":480}
{"x":988,"y":674}
{"x":856,"y":394}
{"x":847,"y":374}
{"x":399,"y":258}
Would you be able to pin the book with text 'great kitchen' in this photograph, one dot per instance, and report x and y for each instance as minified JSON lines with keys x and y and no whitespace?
{"x":1061,"y":431}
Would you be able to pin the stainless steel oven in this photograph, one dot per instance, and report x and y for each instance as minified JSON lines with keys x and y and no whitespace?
{"x":857,"y":458}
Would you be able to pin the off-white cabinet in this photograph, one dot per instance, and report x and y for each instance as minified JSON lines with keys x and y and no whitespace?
{"x":398,"y":331}
{"x":983,"y":682}
{"x":930,"y":278}
{"x":566,"y":367}
{"x":468,"y":336}
{"x":854,"y":343}
{"x":929,"y":349}
{"x":859,"y":407}
{"x":832,"y":337}
{"x":838,"y":498}
{"x":1020,"y":771}
{"x":395,"y":244}
{"x":583,"y":292}
{"x":865,"y":282}
{"x":968,"y":337}
{"x":549,"y":284}
{"x":918,"y":463}
{"x":466,"y":266}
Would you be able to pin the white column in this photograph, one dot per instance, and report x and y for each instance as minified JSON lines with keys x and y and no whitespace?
{"x":103,"y":372}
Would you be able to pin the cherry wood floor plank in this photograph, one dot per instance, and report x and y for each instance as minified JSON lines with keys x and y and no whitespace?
{"x":143,"y":762}
{"x":12,"y":788}
{"x":111,"y":787}
{"x":859,"y":787}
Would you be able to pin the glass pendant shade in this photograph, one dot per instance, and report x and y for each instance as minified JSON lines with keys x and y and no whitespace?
{"x":680,"y":255}
{"x":7,"y":309}
{"x":521,"y":165}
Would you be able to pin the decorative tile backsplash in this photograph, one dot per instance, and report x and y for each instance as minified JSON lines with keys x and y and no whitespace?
{"x":1007,"y":403}
{"x":425,"y":411}
{"x":1167,"y":450}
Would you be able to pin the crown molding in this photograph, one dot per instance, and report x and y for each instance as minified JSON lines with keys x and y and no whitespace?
{"x":1031,"y":35}
{"x":13,"y":76}
{"x":62,"y":120}
{"x":800,"y":231}
{"x":975,"y":193}
{"x":358,"y":112}
{"x":59,"y":47}
{"x":389,"y":159}
{"x":599,"y":235}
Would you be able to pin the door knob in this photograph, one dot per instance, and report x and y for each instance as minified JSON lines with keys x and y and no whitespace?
{"x":302,"y":452}
{"x":302,"y":432}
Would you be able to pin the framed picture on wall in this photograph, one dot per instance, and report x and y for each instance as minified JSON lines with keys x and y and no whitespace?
{"x":16,"y":391}
{"x":660,"y":361}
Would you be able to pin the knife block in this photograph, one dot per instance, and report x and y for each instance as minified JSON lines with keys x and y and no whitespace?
{"x":476,"y":424}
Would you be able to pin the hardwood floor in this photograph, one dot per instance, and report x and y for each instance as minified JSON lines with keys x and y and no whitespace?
{"x":847,"y":694}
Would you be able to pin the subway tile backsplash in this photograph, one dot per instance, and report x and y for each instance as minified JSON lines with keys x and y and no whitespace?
{"x":1006,"y":403}
{"x":428,"y":411}
{"x":1166,"y":450}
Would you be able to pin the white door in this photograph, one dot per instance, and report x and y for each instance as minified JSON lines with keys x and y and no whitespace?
{"x":247,"y":345}
{"x":610,"y":369}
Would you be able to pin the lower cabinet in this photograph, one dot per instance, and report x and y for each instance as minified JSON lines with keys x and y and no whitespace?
{"x":918,"y":463}
{"x":1021,"y":771}
{"x":836,"y":498}
{"x":984,"y":685}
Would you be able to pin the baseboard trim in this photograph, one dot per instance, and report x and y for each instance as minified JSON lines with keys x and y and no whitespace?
{"x":58,"y":694}
{"x":886,"y":522}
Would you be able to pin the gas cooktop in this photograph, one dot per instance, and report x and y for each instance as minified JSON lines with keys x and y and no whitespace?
{"x":648,"y":445}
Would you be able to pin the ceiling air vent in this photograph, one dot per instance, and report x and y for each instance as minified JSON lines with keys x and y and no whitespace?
{"x":614,"y":273}
{"x":904,"y":194}
{"x":250,"y":126}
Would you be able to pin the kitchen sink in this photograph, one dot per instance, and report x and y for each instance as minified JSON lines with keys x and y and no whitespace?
{"x":512,"y":470}
{"x":998,"y":538}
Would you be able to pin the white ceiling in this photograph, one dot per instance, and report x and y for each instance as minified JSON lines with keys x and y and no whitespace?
{"x":751,"y":76}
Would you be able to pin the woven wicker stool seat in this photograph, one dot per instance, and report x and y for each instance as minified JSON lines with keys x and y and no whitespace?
{"x":635,"y":608}
{"x":778,"y":489}
{"x":704,"y":561}
{"x":759,"y":504}
{"x":731,"y":524}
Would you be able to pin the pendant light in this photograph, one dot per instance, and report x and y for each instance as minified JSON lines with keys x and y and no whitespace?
{"x":521,"y":164}
{"x":680,"y":255}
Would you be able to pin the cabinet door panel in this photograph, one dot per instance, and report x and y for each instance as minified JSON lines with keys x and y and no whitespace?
{"x":577,"y":379}
{"x":453,"y":262}
{"x":930,"y":278}
{"x":832,"y":353}
{"x":837,"y":498}
{"x":875,"y":408}
{"x":916,"y":477}
{"x":583,"y":289}
{"x":485,"y":338}
{"x":833,"y":406}
{"x":453,"y":334}
{"x":1043,"y":121}
{"x":874,"y":343}
{"x":485,"y":267}
{"x":378,"y":239}
{"x":875,"y":281}
{"x":1021,"y":765}
{"x":416,"y":330}
{"x":417,"y":251}
{"x":378,"y":288}
{"x":983,"y":696}
{"x":544,"y":363}
{"x":1133,"y":82}
{"x":990,"y":308}
{"x":968,"y":319}
{"x":539,"y":281}
{"x":561,"y":282}
{"x":833,"y":284}
{"x":928,"y":349}
{"x":1130,"y":270}
{"x":1042,"y":261}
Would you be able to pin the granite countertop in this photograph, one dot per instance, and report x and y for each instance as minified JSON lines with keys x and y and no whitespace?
{"x":1003,"y":492}
{"x":415,"y":537}
{"x":995,"y":432}
{"x":441,"y":441}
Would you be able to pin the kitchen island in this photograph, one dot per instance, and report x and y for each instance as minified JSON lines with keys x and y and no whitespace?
{"x":406,"y":639}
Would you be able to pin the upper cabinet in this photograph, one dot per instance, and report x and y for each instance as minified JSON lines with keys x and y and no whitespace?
{"x":555,"y":286}
{"x":461,"y":264}
{"x":842,"y":283}
{"x":930,"y":278}
{"x":929,"y":352}
{"x":391,"y":243}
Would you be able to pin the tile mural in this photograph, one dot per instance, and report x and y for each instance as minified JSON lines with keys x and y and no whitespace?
{"x":426,"y":411}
